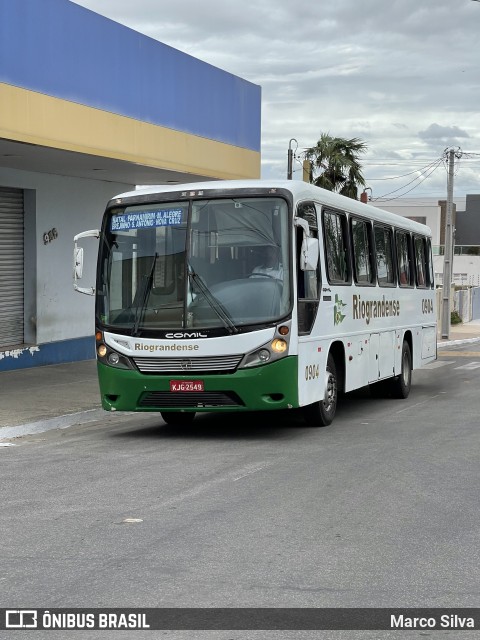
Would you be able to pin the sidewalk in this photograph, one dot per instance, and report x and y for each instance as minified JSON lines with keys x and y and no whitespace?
{"x":460,"y":334}
{"x":55,"y":396}
{"x":58,"y":396}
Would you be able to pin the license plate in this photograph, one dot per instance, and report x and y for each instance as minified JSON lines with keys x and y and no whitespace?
{"x":186,"y":385}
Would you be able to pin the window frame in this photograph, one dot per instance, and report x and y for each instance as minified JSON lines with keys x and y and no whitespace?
{"x":411,"y":266}
{"x":393,"y":256}
{"x":369,"y":235}
{"x":423,"y":240}
{"x":342,"y":216}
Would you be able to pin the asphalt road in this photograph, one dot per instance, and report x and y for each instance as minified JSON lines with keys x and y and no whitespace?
{"x":378,"y":510}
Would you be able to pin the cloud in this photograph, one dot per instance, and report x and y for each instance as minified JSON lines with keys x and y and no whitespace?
{"x":437,"y":132}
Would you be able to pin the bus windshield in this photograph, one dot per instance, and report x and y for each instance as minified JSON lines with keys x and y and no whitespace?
{"x":219,"y":263}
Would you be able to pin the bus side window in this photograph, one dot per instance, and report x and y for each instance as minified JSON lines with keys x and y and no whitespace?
{"x":335,"y":239}
{"x":431,"y":271}
{"x":404,"y":259}
{"x":362,"y":251}
{"x":420,"y":262}
{"x":384,"y":256}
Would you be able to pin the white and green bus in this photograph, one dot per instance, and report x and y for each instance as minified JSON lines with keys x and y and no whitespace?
{"x":253,"y":295}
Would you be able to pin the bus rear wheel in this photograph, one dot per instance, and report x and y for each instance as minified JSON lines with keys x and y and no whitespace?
{"x":322,"y":413}
{"x":401,"y":385}
{"x":178,"y":418}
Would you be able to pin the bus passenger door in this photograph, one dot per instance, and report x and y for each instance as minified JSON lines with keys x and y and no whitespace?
{"x":308,"y":280}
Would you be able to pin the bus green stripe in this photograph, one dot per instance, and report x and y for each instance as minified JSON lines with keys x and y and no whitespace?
{"x":272,"y":386}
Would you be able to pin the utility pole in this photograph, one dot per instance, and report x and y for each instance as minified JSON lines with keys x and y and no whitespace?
{"x":448,"y":255}
{"x":307,"y":171}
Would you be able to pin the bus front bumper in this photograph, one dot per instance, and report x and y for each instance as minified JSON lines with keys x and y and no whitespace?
{"x":271,"y":386}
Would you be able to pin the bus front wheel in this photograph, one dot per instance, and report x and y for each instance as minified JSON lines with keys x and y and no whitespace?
{"x":321,"y":413}
{"x":178,"y":418}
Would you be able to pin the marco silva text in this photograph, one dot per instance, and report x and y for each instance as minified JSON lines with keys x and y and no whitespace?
{"x":445,"y":621}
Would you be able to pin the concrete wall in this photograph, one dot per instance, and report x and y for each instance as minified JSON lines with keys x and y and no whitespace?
{"x":59,"y":323}
{"x":467,"y":303}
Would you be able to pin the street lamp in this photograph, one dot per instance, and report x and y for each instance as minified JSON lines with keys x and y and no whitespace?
{"x":290,"y":159}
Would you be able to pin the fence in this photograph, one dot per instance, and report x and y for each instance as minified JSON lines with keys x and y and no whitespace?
{"x":466,"y":302}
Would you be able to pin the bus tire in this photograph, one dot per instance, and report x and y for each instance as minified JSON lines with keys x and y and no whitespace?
{"x":178,"y":418}
{"x":322,"y":413}
{"x":400,"y":385}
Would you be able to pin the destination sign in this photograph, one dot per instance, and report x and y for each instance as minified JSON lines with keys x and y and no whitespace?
{"x":146,"y":219}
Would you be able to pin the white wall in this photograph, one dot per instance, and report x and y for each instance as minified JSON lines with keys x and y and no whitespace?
{"x":465,"y":270}
{"x":409,"y":209}
{"x":55,"y":311}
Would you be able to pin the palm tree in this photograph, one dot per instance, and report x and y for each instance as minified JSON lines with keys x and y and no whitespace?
{"x":336,"y":163}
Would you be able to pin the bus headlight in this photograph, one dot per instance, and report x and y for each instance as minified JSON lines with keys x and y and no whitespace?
{"x":266,"y":354}
{"x":263,"y":355}
{"x":256,"y":358}
{"x":101,"y":350}
{"x":112,"y":358}
{"x":279,"y":345}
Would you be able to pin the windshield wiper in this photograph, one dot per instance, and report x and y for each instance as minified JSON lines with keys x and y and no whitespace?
{"x":215,"y":304}
{"x":140,"y":310}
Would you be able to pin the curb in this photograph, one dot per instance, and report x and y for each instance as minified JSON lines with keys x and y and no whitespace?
{"x":451,"y":343}
{"x":60,"y":422}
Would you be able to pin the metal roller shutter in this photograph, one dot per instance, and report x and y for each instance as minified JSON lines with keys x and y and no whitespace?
{"x":11,"y":267}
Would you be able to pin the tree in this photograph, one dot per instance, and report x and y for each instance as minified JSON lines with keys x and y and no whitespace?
{"x":335,"y":164}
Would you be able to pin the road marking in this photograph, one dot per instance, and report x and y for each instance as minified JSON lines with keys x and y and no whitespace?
{"x":460,"y":354}
{"x":202,"y":487}
{"x":132,"y":520}
{"x":438,"y":363}
{"x":470,"y":366}
{"x":418,"y":404}
{"x":250,"y":471}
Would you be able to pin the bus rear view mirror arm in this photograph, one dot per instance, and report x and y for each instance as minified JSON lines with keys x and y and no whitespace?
{"x":78,"y":261}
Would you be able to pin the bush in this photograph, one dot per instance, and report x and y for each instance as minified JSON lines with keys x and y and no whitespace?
{"x":455,"y":318}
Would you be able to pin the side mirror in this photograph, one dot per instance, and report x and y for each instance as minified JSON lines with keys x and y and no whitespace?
{"x":78,"y":261}
{"x":309,"y":254}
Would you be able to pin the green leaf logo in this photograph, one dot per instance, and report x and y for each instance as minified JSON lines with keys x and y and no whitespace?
{"x":338,"y":316}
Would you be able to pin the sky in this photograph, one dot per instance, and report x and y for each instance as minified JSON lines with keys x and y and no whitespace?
{"x":401,"y":75}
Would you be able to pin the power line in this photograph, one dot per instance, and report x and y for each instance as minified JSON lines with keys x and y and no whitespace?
{"x":403,"y":175}
{"x":472,"y":157}
{"x":424,"y":176}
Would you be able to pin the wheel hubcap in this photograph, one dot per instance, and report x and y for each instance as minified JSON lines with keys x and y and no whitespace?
{"x":406,"y":369}
{"x":331,"y":392}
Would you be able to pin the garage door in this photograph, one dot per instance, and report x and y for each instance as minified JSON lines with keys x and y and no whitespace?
{"x":11,"y":267}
